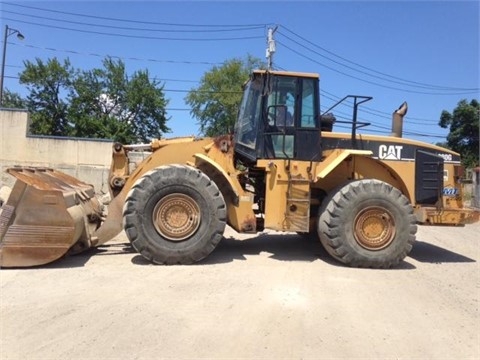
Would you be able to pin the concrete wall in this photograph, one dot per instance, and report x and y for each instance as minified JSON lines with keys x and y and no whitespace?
{"x":87,"y":160}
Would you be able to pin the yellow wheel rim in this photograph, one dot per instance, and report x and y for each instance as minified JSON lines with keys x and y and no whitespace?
{"x":176,"y":217}
{"x":374,"y":228}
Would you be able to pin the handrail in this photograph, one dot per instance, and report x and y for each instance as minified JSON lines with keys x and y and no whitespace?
{"x":355,"y":123}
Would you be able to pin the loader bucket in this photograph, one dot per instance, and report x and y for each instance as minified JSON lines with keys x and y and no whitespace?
{"x":47,"y":215}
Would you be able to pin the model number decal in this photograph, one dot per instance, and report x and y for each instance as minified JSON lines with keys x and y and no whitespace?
{"x":450,"y":191}
{"x":446,"y":157}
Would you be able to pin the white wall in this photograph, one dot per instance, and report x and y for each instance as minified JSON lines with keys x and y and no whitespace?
{"x":88,"y":160}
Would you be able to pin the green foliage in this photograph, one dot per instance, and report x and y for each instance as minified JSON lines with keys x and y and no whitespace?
{"x":463,"y":124}
{"x":98,"y":103}
{"x":145,"y":100}
{"x":13,"y":100}
{"x":216,"y":100}
{"x":49,"y":84}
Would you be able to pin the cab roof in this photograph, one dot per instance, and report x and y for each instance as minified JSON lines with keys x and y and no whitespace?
{"x":287,"y":73}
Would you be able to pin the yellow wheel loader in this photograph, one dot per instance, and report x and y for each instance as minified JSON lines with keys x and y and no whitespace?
{"x":283,"y":169}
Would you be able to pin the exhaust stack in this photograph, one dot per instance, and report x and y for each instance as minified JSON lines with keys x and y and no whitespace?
{"x":397,"y":120}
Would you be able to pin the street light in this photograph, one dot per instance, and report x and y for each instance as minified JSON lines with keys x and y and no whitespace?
{"x":8,"y":32}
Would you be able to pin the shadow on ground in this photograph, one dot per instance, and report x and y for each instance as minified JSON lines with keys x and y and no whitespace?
{"x":429,"y":253}
{"x":281,"y":247}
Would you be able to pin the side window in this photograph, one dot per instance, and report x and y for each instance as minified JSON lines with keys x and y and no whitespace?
{"x":249,"y":122}
{"x":281,"y":102}
{"x":249,"y":115}
{"x":307,"y":119}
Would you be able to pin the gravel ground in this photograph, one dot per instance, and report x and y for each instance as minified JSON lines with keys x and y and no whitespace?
{"x":271,"y":296}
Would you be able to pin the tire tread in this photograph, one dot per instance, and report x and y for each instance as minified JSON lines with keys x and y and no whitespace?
{"x":330,"y":224}
{"x":157,"y":178}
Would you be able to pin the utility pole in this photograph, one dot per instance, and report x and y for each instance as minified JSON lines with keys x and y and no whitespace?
{"x":270,"y":47}
{"x":8,"y":31}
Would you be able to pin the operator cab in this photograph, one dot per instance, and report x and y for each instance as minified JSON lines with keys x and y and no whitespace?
{"x":279,"y":117}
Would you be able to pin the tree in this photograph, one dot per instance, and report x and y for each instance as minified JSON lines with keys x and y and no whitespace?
{"x":50,"y":86}
{"x":98,"y":103}
{"x":464,"y":130}
{"x":108,"y":104}
{"x":216,"y":101}
{"x":13,"y":100}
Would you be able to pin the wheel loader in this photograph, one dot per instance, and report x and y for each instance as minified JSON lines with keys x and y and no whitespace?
{"x":283,"y":169}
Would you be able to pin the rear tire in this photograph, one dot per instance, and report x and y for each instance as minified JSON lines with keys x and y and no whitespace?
{"x":367,"y":223}
{"x":174,"y":215}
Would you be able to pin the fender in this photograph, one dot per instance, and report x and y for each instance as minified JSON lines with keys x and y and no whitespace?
{"x":389,"y":172}
{"x":365,"y":166}
{"x":335,"y":158}
{"x":225,"y":183}
{"x":240,"y":215}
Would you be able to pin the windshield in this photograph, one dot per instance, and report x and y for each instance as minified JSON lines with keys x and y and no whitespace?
{"x":249,"y":114}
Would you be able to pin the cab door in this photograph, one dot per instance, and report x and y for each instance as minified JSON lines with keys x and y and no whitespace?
{"x":292,"y":130}
{"x":307,"y":129}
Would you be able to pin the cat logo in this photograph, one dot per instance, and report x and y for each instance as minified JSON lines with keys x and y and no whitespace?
{"x":390,"y":152}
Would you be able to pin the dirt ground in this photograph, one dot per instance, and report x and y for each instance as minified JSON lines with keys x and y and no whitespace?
{"x":272,"y":296}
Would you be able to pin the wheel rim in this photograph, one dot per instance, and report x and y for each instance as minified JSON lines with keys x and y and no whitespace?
{"x":176,"y":217}
{"x":374,"y":228}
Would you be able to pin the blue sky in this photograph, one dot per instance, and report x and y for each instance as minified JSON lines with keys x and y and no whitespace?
{"x":426,"y":53}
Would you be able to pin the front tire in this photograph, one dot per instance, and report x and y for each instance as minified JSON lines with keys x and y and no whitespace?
{"x":174,"y":215}
{"x":367,"y":223}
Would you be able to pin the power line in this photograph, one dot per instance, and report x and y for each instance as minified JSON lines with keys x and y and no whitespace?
{"x":103,"y":25}
{"x":132,"y":36}
{"x":13,"y":66}
{"x":367,"y":81}
{"x":339,"y":63}
{"x":169,"y":90}
{"x":387,"y":130}
{"x":376,"y":112}
{"x":129,"y":20}
{"x":406,"y":82}
{"x":116,"y":56}
{"x":202,"y":91}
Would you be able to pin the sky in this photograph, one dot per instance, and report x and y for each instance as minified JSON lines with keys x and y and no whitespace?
{"x":423,"y":52}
